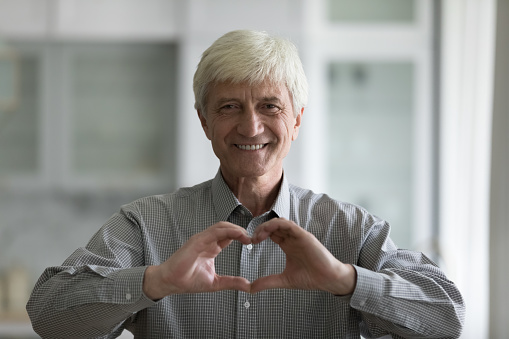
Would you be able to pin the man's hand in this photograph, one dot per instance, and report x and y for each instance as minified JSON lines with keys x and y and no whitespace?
{"x":309,"y":265}
{"x":191,"y":268}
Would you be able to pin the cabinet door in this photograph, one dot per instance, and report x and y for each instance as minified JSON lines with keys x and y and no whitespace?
{"x":92,"y":116}
{"x":372,"y":142}
{"x":20,"y":119}
{"x":371,"y":129}
{"x":119,"y":113}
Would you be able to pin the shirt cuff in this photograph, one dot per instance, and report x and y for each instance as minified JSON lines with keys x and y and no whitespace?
{"x":369,"y":290}
{"x":128,"y":289}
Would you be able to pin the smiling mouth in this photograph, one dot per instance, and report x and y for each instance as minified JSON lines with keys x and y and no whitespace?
{"x":250,"y":147}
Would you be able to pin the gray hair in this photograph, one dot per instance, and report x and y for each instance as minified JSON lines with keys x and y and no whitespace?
{"x":252,"y":57}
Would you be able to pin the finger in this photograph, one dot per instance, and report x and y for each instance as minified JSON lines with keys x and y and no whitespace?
{"x":233,"y":234}
{"x":233,"y":231}
{"x":278,"y":228}
{"x":232,"y":283}
{"x":224,"y":243}
{"x":225,"y":230}
{"x":268,"y":282}
{"x":265,"y":230}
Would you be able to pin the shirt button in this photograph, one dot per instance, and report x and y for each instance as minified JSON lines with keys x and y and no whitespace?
{"x":250,"y":247}
{"x":128,"y":296}
{"x":362,"y":302}
{"x":242,"y":212}
{"x":247,"y":304}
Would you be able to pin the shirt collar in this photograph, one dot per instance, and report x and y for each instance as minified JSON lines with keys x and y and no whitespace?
{"x":225,"y":201}
{"x":282,"y":204}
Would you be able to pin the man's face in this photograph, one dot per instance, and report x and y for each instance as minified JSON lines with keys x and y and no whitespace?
{"x":251,"y":128}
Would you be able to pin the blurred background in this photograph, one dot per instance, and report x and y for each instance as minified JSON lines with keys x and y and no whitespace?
{"x":408,"y":117}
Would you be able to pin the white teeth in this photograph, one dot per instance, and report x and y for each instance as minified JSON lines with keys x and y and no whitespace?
{"x":250,"y":147}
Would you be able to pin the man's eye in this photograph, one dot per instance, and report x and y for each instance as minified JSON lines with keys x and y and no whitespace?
{"x":228,"y":108}
{"x":271,"y":108}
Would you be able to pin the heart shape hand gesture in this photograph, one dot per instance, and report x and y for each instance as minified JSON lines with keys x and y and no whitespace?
{"x":309,"y":265}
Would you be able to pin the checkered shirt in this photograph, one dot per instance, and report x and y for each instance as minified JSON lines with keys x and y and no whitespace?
{"x":97,"y":292}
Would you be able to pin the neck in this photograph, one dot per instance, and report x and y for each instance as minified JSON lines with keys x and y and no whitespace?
{"x":257,"y":194}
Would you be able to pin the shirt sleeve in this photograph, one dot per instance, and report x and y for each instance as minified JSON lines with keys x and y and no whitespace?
{"x":97,"y":288}
{"x":403,"y":293}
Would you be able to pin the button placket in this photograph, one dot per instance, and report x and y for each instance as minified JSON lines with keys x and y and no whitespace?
{"x":248,"y":269}
{"x":247,"y":314}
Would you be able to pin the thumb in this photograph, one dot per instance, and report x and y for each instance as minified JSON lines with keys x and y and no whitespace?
{"x":232,"y":283}
{"x":268,"y":282}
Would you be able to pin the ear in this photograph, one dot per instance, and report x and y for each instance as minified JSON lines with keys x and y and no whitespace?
{"x":298,"y":120}
{"x":204,"y":125}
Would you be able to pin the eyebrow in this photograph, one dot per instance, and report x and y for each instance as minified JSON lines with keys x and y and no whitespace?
{"x":271,"y":99}
{"x":221,"y":101}
{"x":224,"y":100}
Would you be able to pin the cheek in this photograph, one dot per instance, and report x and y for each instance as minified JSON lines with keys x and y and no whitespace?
{"x":291,"y":130}
{"x":218,"y":134}
{"x":285,"y":137}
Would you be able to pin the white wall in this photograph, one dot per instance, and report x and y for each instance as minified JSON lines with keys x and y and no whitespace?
{"x":499,"y":198}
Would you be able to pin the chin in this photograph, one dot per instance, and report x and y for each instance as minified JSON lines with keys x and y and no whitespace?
{"x":249,"y":172}
{"x":256,"y":172}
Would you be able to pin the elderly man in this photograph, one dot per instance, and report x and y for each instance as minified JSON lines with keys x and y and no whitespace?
{"x":246,"y":254}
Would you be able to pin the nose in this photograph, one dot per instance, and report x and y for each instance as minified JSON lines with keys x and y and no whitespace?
{"x":250,"y":123}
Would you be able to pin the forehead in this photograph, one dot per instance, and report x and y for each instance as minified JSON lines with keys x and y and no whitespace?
{"x":266,"y":89}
